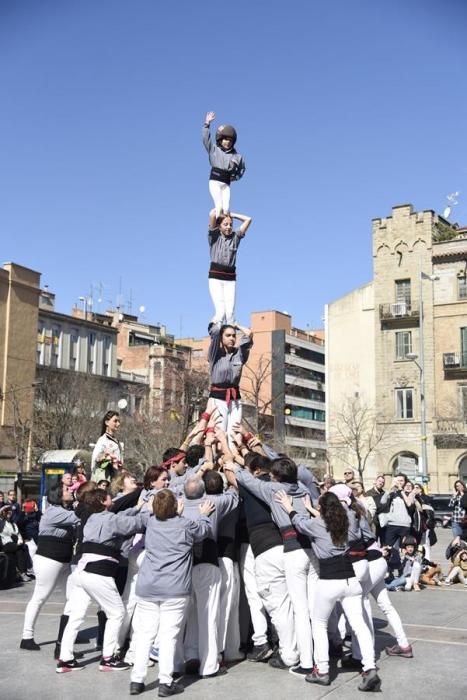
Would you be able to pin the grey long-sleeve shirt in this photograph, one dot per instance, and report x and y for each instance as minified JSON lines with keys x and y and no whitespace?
{"x":223,"y":249}
{"x":226,"y":368}
{"x":58,"y":522}
{"x":230,"y":160}
{"x":321,"y":542}
{"x":167,"y":565}
{"x":266,"y":490}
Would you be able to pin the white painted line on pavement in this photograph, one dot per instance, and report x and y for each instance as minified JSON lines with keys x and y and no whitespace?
{"x":437,"y":641}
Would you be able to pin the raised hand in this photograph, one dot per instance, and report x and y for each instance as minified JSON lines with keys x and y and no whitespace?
{"x":210,"y":116}
{"x":285,"y":500}
{"x":180,"y":505}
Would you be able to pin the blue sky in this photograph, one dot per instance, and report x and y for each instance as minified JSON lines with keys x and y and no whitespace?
{"x":343,"y":108}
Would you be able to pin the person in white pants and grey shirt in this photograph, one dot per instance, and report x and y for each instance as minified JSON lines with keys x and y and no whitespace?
{"x":57,"y":530}
{"x":164,"y":587}
{"x":94,"y":578}
{"x":329,"y":535}
{"x":223,"y":247}
{"x":201,"y":638}
{"x":299,"y":562}
{"x":226,"y":164}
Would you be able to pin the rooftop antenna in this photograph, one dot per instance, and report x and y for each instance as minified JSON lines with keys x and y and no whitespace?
{"x":452,"y":201}
{"x":130,"y":302}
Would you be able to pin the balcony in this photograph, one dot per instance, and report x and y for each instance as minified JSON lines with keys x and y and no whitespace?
{"x":401,"y":314}
{"x":450,"y":433}
{"x":455,"y":364}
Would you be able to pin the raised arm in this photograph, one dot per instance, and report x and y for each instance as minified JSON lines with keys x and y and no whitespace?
{"x":215,"y":333}
{"x":210,"y":116}
{"x":246,"y":342}
{"x":246,"y":221}
{"x":212,"y":221}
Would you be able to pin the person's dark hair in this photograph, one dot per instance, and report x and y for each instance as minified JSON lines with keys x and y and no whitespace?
{"x":193,"y":454}
{"x":94,"y":501}
{"x":335,"y":518}
{"x":101,"y":482}
{"x":223,"y":329}
{"x":152,"y":474}
{"x":213,"y":482}
{"x":221,"y":218}
{"x":108,"y":416}
{"x":55,"y":494}
{"x":284,"y":470}
{"x":170,"y":453}
{"x":85,"y":488}
{"x":255,"y":461}
{"x":165,"y":504}
{"x":404,"y":477}
{"x":459,"y":481}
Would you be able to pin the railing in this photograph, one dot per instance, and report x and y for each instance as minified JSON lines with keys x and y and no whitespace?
{"x":398,"y":310}
{"x":454,"y":361}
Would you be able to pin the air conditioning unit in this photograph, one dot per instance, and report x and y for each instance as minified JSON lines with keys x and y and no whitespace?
{"x":399,"y":309}
{"x":451,"y":359}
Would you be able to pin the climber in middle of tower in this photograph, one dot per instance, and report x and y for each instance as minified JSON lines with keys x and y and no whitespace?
{"x":226,"y":164}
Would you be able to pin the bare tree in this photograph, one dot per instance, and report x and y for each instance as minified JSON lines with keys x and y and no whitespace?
{"x":358,"y":432}
{"x":259,"y":397}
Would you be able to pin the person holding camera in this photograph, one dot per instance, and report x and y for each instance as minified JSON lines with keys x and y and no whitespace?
{"x":397,"y":507}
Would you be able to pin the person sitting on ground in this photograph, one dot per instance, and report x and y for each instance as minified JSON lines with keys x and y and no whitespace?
{"x":431,"y":571}
{"x":458,"y":569}
{"x":410,"y":570}
{"x":13,"y":545}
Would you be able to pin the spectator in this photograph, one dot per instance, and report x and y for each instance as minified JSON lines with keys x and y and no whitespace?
{"x":366,"y":503}
{"x":431,"y":571}
{"x":349,"y":476}
{"x":428,"y":535}
{"x":455,"y":503}
{"x":13,"y":545}
{"x":398,"y":508}
{"x":15,"y":507}
{"x":2,"y":499}
{"x":79,"y":471}
{"x":103,"y":484}
{"x":458,"y":569}
{"x":29,"y":526}
{"x":410,"y":568}
{"x":377,"y":492}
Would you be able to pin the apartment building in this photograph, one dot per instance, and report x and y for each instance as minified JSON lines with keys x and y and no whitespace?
{"x":397,"y":346}
{"x":283,"y":385}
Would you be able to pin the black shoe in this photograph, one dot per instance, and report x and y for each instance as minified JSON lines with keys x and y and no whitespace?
{"x":371,"y":682}
{"x":136,"y":688}
{"x":67,"y":666}
{"x":262,"y":652}
{"x":192,"y":667}
{"x":351,"y":663}
{"x":276,"y":662}
{"x":29,"y":645}
{"x":221,"y":671}
{"x":300,"y":671}
{"x":176,"y":676}
{"x":166,"y":690}
{"x":113,"y":664}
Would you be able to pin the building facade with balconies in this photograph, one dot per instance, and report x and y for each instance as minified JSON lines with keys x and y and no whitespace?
{"x":419,"y":284}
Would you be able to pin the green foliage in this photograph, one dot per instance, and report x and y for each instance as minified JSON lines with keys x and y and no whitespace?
{"x":444,"y":232}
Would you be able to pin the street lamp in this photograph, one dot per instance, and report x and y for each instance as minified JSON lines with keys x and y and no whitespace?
{"x":423,"y":437}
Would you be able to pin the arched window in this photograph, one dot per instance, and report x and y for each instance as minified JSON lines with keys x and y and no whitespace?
{"x":463,"y":468}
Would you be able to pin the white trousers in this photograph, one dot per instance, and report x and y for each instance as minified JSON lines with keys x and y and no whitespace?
{"x":255,"y":602}
{"x":220,"y":193}
{"x":135,"y":559}
{"x":103,"y":590}
{"x":349,"y":593}
{"x":223,"y":298}
{"x":163,"y":617}
{"x":229,"y":415}
{"x":301,"y":577}
{"x":201,"y":640}
{"x":32,"y":547}
{"x":49,"y":573}
{"x":374,"y":584}
{"x":272,"y":587}
{"x":229,"y":624}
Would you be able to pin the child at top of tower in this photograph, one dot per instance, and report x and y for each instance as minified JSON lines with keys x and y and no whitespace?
{"x":226,"y":164}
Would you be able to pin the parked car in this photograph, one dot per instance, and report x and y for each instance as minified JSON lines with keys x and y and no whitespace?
{"x":443,"y":513}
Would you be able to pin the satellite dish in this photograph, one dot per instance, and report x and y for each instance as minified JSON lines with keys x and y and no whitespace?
{"x":122,"y":404}
{"x":142,"y":309}
{"x":447,"y":212}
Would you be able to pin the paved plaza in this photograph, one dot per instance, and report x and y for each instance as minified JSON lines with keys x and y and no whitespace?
{"x":435,"y":620}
